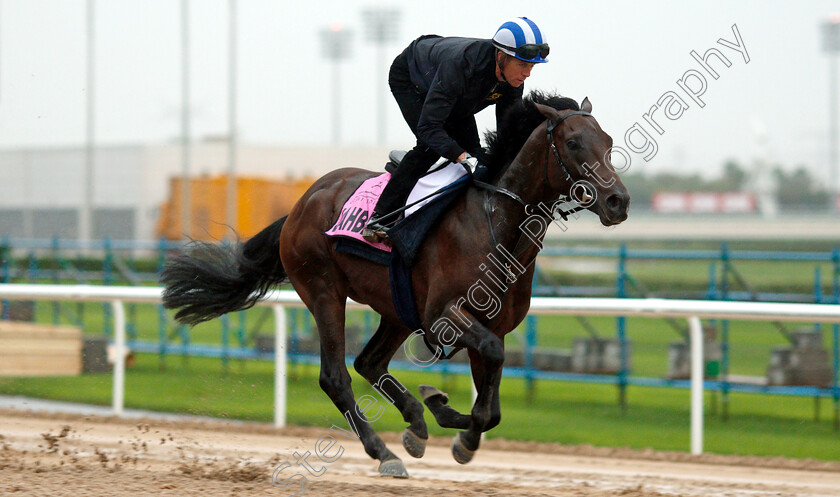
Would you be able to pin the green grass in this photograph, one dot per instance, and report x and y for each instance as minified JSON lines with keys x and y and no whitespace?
{"x":571,"y":413}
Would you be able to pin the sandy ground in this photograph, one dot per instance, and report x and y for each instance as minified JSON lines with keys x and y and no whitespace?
{"x":72,"y":455}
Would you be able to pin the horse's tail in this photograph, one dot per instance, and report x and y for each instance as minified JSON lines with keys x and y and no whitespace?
{"x":212,"y":280}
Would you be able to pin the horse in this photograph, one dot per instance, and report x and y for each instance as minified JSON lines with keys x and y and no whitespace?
{"x":545,"y":147}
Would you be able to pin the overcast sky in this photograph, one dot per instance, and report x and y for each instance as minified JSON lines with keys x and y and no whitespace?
{"x":624,"y":55}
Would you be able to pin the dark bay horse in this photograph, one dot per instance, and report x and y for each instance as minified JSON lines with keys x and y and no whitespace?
{"x":542,"y":148}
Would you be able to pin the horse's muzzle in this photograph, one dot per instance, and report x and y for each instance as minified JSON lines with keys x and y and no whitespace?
{"x":615,"y":208}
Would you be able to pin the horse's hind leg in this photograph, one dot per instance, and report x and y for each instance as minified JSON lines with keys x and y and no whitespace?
{"x":335,"y":381}
{"x":372,"y":364}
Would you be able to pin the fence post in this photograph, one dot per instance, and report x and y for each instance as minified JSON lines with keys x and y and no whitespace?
{"x":724,"y":335}
{"x":279,"y":366}
{"x":530,"y":342}
{"x":697,"y":378}
{"x":162,"y":329}
{"x":712,"y":294}
{"x":119,"y":357}
{"x":225,"y":319}
{"x":711,"y":290}
{"x":4,"y":278}
{"x":368,"y":325}
{"x":835,"y":256}
{"x":5,"y":255}
{"x":107,"y":279}
{"x":836,"y":389}
{"x":621,"y":323}
{"x":56,"y":279}
{"x":818,"y":294}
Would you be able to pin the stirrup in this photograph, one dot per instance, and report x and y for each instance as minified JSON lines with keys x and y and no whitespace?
{"x":375,"y":232}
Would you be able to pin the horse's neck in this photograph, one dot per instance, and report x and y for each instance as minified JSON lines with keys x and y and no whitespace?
{"x":526,"y":174}
{"x":525,"y":177}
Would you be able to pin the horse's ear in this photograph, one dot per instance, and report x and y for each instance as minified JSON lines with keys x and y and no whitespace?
{"x":549,"y":113}
{"x":586,"y":105}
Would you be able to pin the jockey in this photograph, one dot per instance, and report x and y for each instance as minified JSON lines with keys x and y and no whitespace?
{"x":440,"y":84}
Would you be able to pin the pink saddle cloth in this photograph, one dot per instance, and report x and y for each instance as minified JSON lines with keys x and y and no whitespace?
{"x":357,"y":210}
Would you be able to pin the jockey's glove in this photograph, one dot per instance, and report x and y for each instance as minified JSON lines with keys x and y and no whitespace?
{"x":479,"y":171}
{"x":471,"y":163}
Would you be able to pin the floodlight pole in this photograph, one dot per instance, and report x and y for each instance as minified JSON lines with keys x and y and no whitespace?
{"x":833,"y":131}
{"x":335,"y":46}
{"x":381,"y":29}
{"x":336,"y":103}
{"x":232,"y":183}
{"x":85,"y":213}
{"x":1,"y":44}
{"x":831,"y":44}
{"x":186,"y":207}
{"x":380,"y":95}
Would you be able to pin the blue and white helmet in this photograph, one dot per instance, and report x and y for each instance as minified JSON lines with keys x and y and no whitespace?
{"x":521,"y":38}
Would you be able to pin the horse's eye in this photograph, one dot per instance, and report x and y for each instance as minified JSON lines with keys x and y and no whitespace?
{"x":573,"y":145}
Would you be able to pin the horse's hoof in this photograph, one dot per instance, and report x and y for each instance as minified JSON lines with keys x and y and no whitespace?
{"x":429,"y":391}
{"x":393,"y":468}
{"x":460,"y":452}
{"x":414,"y":445}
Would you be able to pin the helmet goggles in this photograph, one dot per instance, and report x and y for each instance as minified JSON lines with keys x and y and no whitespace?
{"x":531,"y":50}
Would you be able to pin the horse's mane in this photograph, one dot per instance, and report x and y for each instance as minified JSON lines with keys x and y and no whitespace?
{"x":517,"y":124}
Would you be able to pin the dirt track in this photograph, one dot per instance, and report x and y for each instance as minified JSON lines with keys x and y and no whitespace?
{"x":64,"y":455}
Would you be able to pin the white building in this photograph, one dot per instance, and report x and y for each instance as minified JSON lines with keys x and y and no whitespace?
{"x":42,"y":189}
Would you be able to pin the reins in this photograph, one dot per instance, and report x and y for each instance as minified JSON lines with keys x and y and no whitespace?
{"x":531,"y":209}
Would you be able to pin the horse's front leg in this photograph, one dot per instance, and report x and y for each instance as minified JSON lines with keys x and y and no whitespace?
{"x":478,"y":374}
{"x":491,"y":353}
{"x":486,"y":358}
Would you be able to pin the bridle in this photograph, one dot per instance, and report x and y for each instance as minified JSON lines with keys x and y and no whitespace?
{"x":549,"y":132}
{"x":531,"y":209}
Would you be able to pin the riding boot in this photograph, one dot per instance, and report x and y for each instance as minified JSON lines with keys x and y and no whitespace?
{"x":414,"y":165}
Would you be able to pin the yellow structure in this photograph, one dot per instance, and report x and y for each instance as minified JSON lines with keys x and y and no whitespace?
{"x":260,"y":202}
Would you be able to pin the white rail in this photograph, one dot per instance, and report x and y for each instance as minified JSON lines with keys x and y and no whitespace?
{"x":692,"y":310}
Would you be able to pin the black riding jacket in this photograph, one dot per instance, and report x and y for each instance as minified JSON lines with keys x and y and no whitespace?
{"x":458,"y":77}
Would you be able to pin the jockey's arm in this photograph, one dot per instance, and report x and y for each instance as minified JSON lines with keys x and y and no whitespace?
{"x":447,"y":87}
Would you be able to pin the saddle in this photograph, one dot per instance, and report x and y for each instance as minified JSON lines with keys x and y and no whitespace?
{"x":395,"y":158}
{"x":443,"y":179}
{"x":431,"y":198}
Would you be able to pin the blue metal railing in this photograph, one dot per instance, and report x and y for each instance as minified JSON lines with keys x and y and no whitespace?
{"x":724,"y":282}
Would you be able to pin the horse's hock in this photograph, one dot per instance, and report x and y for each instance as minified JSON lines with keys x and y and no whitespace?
{"x":30,"y":349}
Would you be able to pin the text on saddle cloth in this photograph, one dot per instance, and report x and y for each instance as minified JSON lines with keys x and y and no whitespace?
{"x":357,"y":210}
